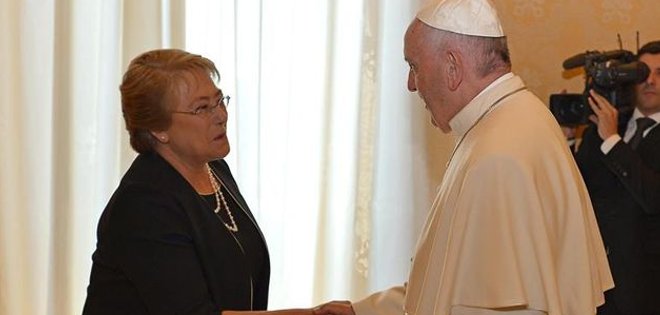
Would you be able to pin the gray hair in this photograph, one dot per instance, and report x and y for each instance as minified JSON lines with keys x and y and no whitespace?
{"x":489,"y":54}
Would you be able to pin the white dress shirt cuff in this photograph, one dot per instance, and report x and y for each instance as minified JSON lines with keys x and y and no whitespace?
{"x":609,"y":143}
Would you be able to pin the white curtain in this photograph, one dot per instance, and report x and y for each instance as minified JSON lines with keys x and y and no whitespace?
{"x":333,"y":155}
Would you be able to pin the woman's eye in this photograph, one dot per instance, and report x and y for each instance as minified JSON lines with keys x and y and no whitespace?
{"x":201,"y":109}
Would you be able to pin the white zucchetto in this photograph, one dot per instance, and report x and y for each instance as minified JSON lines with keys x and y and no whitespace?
{"x":467,"y":17}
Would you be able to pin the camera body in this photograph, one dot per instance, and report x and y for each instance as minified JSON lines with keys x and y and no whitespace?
{"x":612,"y":74}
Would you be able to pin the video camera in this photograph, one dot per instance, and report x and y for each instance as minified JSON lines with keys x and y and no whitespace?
{"x":611,"y":74}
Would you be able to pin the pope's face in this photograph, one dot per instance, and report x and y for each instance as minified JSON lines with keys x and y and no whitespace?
{"x":426,"y":74}
{"x":648,"y":92}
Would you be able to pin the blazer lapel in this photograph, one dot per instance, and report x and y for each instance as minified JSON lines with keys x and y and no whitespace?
{"x":652,"y":138}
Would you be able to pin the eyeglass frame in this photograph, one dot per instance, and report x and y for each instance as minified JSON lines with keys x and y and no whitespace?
{"x":202,"y":112}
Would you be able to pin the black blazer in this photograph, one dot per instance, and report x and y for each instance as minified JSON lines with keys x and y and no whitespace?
{"x":160,"y":250}
{"x":624,"y":186}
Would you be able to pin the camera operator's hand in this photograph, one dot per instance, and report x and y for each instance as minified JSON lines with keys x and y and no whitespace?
{"x":606,"y":116}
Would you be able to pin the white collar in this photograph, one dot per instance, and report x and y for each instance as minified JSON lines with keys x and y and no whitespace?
{"x":468,"y":115}
{"x":638,"y":114}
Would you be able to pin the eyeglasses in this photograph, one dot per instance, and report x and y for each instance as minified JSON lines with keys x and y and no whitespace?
{"x":206,"y":110}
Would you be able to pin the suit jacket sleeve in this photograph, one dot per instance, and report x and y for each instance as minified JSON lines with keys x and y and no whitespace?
{"x":388,"y":302}
{"x":641,"y":181}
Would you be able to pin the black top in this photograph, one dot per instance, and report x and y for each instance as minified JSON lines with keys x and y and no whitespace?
{"x":160,"y":250}
{"x":247,"y":235}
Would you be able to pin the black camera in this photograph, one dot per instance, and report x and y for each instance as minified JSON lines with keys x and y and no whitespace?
{"x":611,"y":74}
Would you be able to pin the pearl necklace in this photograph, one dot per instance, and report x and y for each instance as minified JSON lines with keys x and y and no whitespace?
{"x":219,"y":196}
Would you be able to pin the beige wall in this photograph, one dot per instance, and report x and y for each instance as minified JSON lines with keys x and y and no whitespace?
{"x":542,"y":34}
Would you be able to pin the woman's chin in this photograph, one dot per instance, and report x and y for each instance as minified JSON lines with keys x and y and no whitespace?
{"x":222,"y":151}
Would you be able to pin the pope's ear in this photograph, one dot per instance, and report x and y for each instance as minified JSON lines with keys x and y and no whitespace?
{"x":454,"y":70}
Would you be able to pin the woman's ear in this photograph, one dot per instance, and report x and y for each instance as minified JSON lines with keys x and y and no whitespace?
{"x":161,"y":136}
{"x":454,"y":70}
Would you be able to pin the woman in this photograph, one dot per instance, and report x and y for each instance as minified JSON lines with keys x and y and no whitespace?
{"x":177,"y":236}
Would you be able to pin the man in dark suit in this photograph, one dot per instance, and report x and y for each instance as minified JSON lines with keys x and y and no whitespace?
{"x":620,"y":163}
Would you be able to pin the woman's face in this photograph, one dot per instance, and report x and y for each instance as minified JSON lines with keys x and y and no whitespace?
{"x":201,"y":137}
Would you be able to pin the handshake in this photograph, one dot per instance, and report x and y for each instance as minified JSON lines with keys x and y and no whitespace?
{"x":334,"y":308}
{"x":329,"y":308}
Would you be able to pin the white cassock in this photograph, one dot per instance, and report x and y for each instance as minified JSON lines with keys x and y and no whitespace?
{"x":512,"y":225}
